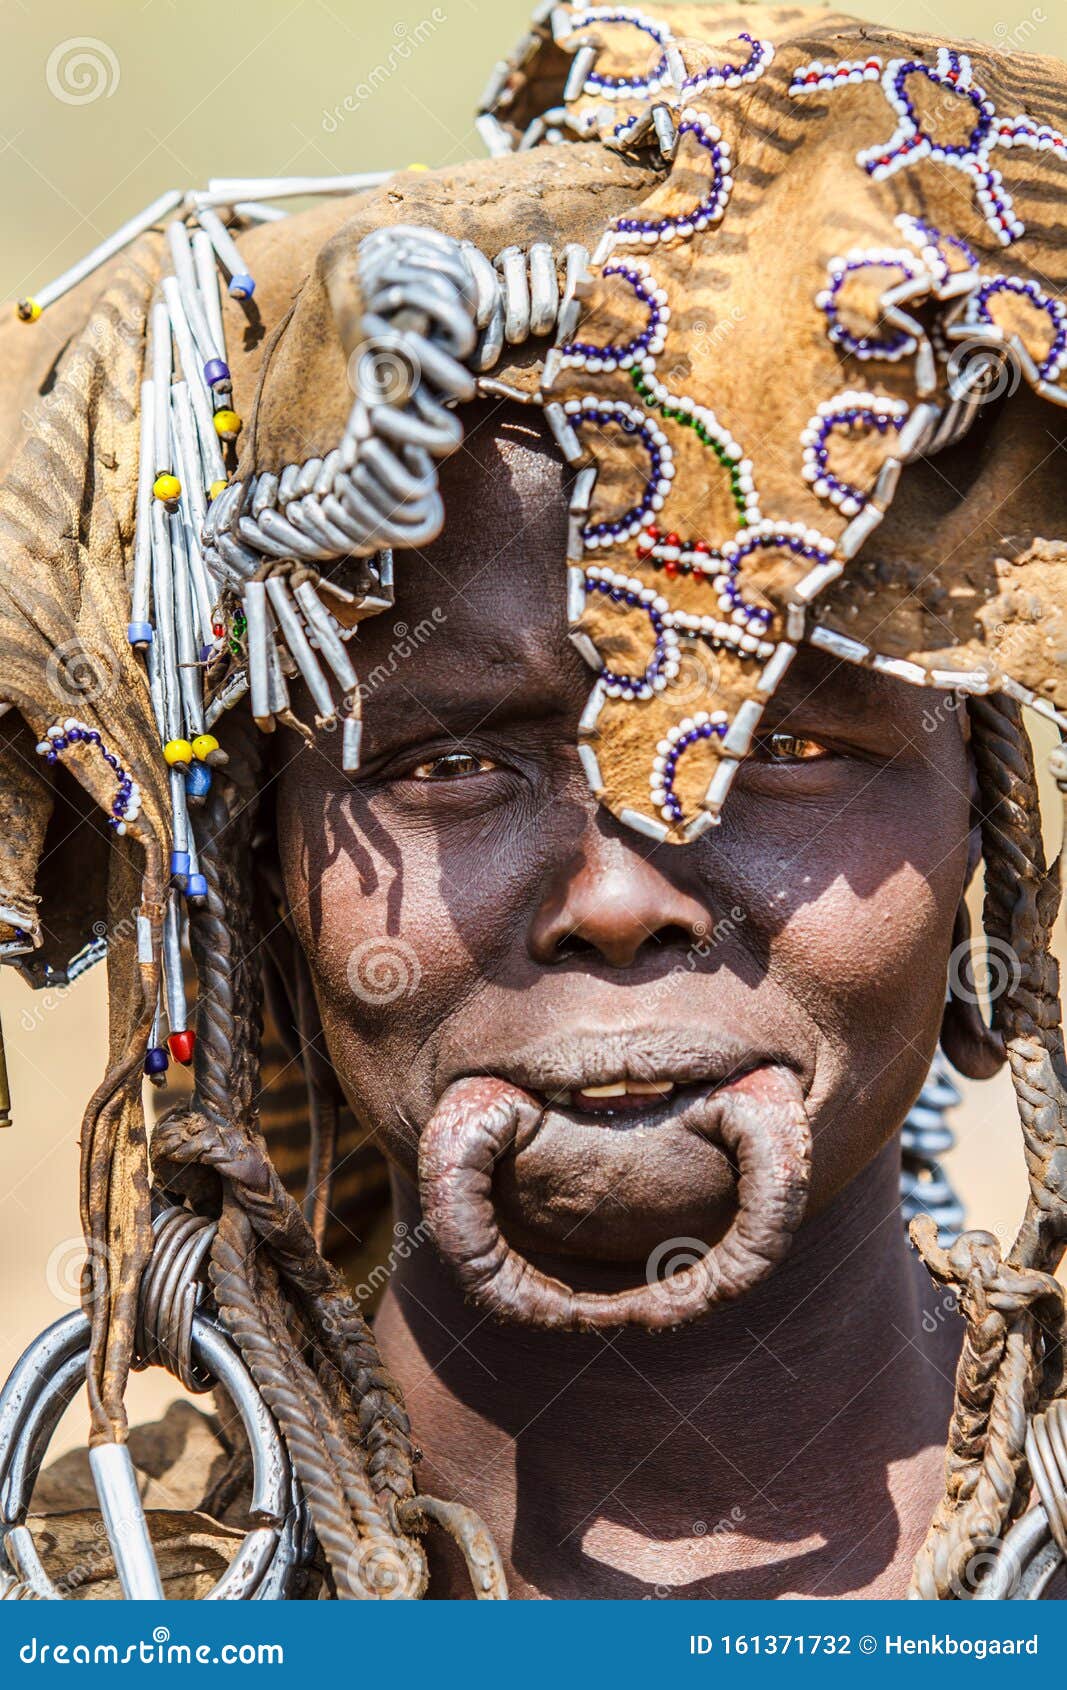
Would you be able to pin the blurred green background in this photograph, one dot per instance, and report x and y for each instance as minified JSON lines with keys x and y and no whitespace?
{"x":186,"y":89}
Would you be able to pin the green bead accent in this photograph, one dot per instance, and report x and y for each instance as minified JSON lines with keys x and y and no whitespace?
{"x":689,"y":421}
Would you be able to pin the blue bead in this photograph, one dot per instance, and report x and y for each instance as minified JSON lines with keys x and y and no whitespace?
{"x":139,"y":633}
{"x":179,"y":864}
{"x":215,"y":371}
{"x":198,"y":780}
{"x":156,"y":1060}
{"x":196,"y":886}
{"x":242,"y":287}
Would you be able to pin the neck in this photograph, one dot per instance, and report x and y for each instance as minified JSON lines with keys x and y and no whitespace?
{"x":788,"y":1444}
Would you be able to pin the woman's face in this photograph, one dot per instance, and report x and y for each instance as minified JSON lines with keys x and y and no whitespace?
{"x":467,"y":907}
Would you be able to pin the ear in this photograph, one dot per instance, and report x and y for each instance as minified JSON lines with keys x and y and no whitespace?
{"x":972,"y":1047}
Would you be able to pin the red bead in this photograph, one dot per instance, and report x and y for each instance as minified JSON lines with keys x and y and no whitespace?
{"x":182,"y":1045}
{"x":701,"y":546}
{"x":673,"y":540}
{"x":670,"y":568}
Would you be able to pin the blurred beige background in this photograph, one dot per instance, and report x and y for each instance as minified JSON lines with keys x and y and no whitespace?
{"x":184,"y":90}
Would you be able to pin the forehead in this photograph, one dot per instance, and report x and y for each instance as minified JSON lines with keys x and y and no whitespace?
{"x":480,"y":615}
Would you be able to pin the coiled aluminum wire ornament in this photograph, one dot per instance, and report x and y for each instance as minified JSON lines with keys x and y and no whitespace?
{"x":48,"y":1376}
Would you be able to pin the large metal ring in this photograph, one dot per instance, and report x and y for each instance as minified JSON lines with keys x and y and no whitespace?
{"x":39,"y":1389}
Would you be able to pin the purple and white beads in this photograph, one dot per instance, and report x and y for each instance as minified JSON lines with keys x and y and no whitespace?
{"x":631,"y":594}
{"x":669,"y":752}
{"x":846,"y":414}
{"x":609,"y":87}
{"x":816,"y":77}
{"x":910,"y":143}
{"x":126,"y":806}
{"x":588,"y":355}
{"x":893,"y":343}
{"x":978,"y":311}
{"x":707,"y":137}
{"x":935,"y":248}
{"x":761,"y":53}
{"x":614,"y":413}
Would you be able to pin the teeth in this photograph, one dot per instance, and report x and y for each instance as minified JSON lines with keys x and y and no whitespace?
{"x":634,"y":1088}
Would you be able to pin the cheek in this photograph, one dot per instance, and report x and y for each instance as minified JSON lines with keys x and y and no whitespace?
{"x":874,"y":966}
{"x":396,"y":941}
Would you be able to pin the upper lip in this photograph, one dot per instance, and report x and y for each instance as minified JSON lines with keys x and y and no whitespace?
{"x":572,"y":1061}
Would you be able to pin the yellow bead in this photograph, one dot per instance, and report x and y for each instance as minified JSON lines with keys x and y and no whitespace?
{"x":178,"y":751}
{"x":167,"y":488}
{"x":418,"y":167}
{"x":216,"y":488}
{"x":203,"y":746}
{"x":227,"y":425}
{"x":27,"y":310}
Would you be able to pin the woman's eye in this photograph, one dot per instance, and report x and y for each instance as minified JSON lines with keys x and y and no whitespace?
{"x":454,"y":765}
{"x":792,"y":748}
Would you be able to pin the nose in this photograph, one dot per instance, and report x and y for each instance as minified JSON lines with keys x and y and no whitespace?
{"x":610,"y":900}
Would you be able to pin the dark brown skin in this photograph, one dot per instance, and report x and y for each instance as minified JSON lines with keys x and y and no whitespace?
{"x":789,"y":1443}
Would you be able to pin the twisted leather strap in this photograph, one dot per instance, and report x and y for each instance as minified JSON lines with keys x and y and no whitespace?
{"x":997,"y":1385}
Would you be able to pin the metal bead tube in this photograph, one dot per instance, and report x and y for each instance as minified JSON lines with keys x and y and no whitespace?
{"x":207,"y":281}
{"x":193,"y":506}
{"x":225,"y":190}
{"x":330,"y":643}
{"x":185,"y":272}
{"x":210,"y":450}
{"x":142,"y":536}
{"x":292,"y":631}
{"x":162,"y":366}
{"x":223,"y":242}
{"x":163,"y":605}
{"x":108,"y":248}
{"x":255,"y":606}
{"x":188,"y":664}
{"x":124,"y":1521}
{"x":173,"y":976}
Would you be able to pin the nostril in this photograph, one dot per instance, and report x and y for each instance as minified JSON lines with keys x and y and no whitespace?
{"x":674,"y":935}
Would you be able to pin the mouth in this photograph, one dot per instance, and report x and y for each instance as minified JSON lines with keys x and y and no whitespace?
{"x":625,"y":1073}
{"x":544,"y":1154}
